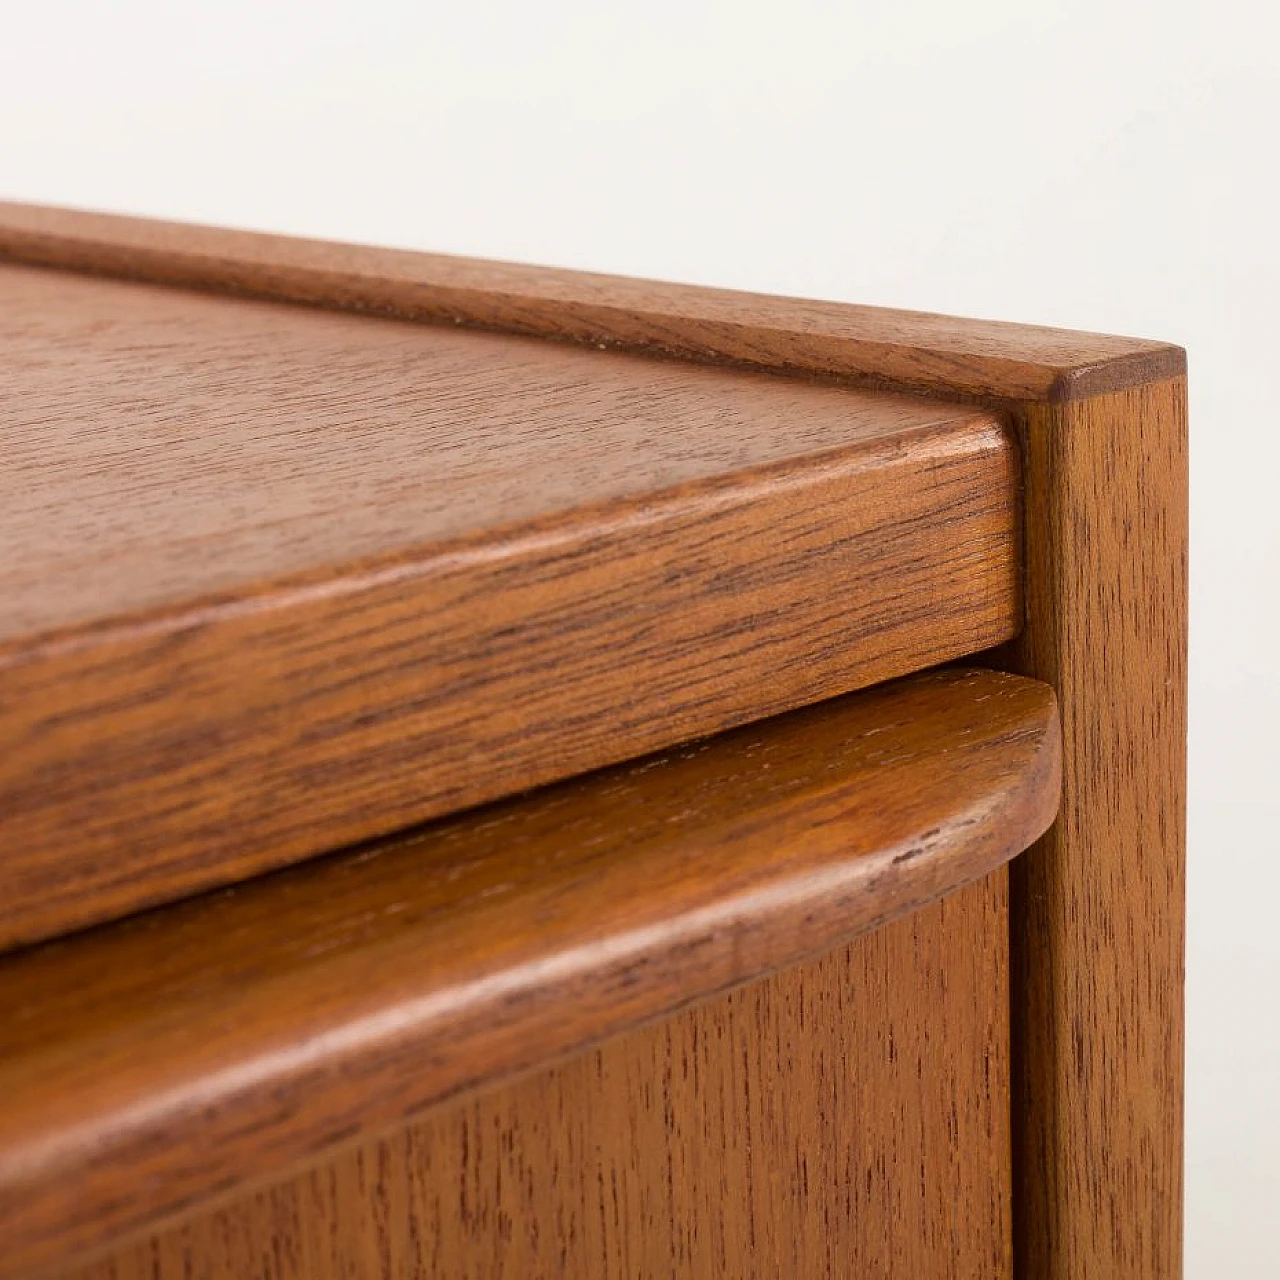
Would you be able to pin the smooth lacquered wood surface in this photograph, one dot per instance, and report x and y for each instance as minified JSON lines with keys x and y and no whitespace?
{"x":152,"y":1064}
{"x":278,"y":579}
{"x":845,"y":1118}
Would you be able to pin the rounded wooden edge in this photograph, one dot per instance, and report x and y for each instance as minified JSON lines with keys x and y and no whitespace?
{"x":161,"y":1063}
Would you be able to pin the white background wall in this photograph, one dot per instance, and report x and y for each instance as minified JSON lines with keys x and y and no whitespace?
{"x":1100,"y":165}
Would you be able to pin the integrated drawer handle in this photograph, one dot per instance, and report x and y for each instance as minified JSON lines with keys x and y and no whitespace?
{"x":202,"y":1046}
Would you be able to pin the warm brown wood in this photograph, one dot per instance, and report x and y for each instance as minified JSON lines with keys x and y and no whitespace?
{"x":1098,"y":906}
{"x":277,"y":579}
{"x":847,"y":1118}
{"x":152,"y":1063}
{"x":1097,"y":916}
{"x":904,"y":348}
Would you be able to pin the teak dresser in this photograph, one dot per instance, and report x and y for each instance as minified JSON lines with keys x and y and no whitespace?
{"x":515,"y":773}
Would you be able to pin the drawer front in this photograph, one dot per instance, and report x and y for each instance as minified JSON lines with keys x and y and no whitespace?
{"x":847,"y":1117}
{"x":158,"y":1066}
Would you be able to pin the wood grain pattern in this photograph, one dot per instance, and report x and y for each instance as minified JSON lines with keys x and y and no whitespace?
{"x":1098,"y":906}
{"x":903,"y":348}
{"x":277,"y":580}
{"x":153,"y":1063}
{"x":846,"y":1118}
{"x":1097,"y":918}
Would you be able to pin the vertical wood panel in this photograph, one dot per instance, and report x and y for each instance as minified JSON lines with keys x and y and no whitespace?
{"x":1098,"y":905}
{"x":848,"y":1117}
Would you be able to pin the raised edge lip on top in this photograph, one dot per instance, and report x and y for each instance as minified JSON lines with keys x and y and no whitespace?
{"x":907,"y":350}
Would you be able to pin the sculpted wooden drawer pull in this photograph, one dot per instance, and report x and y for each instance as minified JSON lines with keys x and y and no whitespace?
{"x":153,"y":1063}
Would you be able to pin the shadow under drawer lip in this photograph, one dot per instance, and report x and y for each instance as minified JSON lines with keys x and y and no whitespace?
{"x":203,"y":1046}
